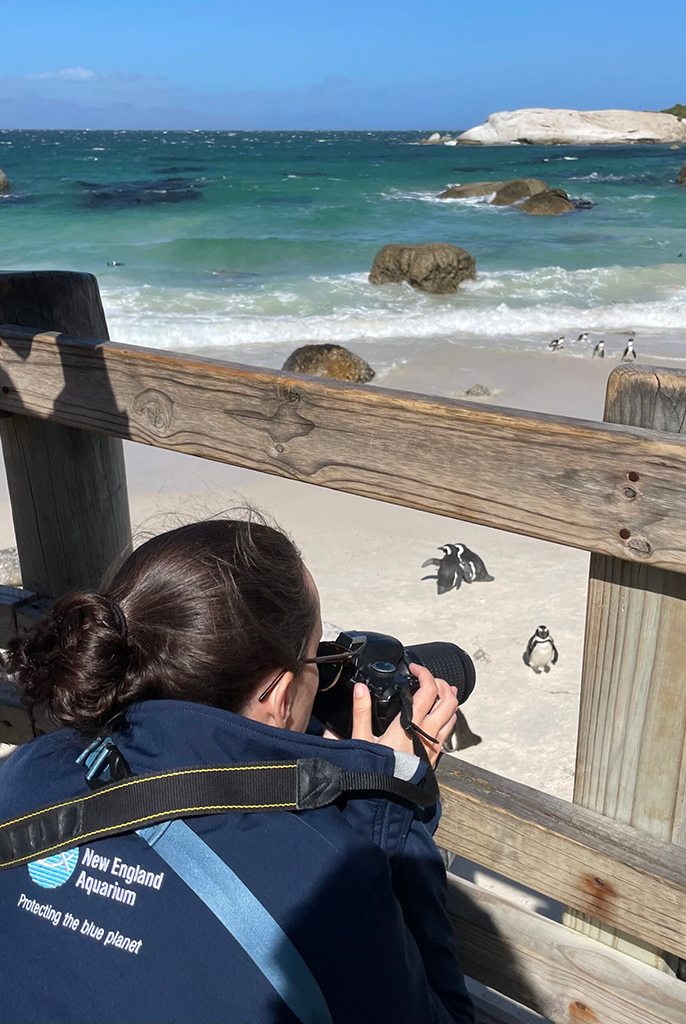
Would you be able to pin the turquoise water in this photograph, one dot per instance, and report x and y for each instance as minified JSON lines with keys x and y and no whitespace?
{"x":255,"y":241}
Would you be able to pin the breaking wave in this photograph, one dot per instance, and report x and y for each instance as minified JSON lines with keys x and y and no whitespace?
{"x":517,"y":305}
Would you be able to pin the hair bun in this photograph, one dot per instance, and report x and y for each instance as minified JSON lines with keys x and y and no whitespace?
{"x":75,"y":661}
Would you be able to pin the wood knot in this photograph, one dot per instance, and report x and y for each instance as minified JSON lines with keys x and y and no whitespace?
{"x":640,"y":546}
{"x":580,"y":1013}
{"x":156,"y":408}
{"x":288,"y":394}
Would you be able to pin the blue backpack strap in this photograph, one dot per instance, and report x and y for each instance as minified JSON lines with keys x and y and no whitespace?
{"x":242,"y":914}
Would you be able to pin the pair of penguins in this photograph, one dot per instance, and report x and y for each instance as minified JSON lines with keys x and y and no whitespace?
{"x":457,"y":565}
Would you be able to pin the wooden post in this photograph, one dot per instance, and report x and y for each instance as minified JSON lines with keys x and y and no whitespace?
{"x":631,"y":756}
{"x":67,"y":486}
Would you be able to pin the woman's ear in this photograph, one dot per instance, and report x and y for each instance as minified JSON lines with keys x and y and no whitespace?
{"x":280,"y":701}
{"x":275,"y":709}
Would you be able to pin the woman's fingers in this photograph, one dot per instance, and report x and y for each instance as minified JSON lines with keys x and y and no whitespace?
{"x":362,"y":714}
{"x":426,"y":695}
{"x":445,"y":706}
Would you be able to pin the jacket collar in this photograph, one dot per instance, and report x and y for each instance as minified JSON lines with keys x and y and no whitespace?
{"x":162,"y":734}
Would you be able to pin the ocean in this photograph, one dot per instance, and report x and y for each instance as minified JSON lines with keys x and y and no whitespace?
{"x":248,"y":244}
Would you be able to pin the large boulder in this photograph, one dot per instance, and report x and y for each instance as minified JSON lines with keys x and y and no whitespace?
{"x":476,"y":188}
{"x":548,"y":204}
{"x":681,"y":176}
{"x":329,"y":361}
{"x":542,"y":126}
{"x":4,"y":182}
{"x":518,"y":188}
{"x":435,"y":267}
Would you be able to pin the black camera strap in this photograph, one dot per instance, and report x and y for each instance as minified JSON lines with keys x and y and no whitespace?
{"x":144,"y":800}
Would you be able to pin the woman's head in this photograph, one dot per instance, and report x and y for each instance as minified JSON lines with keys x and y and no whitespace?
{"x":203,"y":613}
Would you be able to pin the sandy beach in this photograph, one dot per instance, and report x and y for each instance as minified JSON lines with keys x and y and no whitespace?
{"x":366,"y":557}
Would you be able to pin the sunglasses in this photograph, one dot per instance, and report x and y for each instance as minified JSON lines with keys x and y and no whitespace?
{"x":331,"y":659}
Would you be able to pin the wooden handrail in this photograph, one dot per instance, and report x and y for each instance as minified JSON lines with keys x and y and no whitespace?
{"x":566,"y":977}
{"x":601,"y":487}
{"x":623,"y":877}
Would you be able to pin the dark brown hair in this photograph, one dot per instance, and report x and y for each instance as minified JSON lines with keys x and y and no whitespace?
{"x":208,"y":610}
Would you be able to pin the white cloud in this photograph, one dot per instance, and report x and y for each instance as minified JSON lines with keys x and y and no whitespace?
{"x":67,"y":75}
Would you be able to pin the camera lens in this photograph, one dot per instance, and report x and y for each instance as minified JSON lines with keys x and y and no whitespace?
{"x":446,"y":661}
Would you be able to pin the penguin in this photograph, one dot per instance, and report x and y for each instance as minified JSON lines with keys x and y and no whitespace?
{"x":583,"y":337}
{"x":599,"y":350}
{"x":473,"y":568}
{"x":449,"y":575}
{"x":629,"y":352}
{"x":557,"y":343}
{"x":115,"y":263}
{"x":461,"y":737}
{"x":541,"y":651}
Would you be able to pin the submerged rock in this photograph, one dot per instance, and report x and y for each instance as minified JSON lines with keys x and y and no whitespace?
{"x":518,"y":188}
{"x":4,"y":182}
{"x":121,"y":194}
{"x":329,"y":361}
{"x":541,"y":126}
{"x":435,"y":267}
{"x":548,"y":204}
{"x":681,"y":176}
{"x":476,"y":188}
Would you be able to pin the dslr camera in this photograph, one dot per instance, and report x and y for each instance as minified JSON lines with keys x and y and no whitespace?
{"x":382,"y":663}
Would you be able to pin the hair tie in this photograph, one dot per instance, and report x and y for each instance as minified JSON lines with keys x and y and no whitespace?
{"x":120,"y":619}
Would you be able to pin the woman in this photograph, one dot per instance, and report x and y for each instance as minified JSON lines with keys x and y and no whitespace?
{"x":203,"y":651}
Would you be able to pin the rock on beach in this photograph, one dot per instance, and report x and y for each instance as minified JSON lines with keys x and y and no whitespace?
{"x":544,"y":127}
{"x":435,"y":267}
{"x":4,"y":182}
{"x":329,"y":361}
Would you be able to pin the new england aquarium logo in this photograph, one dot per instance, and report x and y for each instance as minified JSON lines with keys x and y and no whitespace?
{"x":56,"y":870}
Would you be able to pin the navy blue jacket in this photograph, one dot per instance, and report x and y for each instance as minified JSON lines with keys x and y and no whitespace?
{"x":359,"y":889}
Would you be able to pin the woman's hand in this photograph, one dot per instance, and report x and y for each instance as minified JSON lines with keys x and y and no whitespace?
{"x":434,"y":707}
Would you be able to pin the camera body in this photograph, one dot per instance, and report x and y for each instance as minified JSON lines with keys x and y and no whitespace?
{"x":382,"y":663}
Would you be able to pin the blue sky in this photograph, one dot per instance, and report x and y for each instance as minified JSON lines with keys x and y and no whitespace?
{"x":374,"y":64}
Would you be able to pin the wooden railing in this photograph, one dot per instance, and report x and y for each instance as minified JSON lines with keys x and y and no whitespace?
{"x":615,"y":857}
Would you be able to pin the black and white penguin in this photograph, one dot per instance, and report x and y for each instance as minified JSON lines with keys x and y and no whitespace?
{"x":583,"y":337}
{"x":473,"y":568}
{"x":541,"y":651}
{"x":557,"y":343}
{"x":599,"y":350}
{"x":449,"y":575}
{"x":629,"y":352}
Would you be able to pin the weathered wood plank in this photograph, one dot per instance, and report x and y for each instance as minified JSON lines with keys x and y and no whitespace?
{"x":624,"y":877}
{"x":11,"y":599}
{"x":562,"y":480}
{"x":67,"y":487}
{"x":631,"y":757}
{"x":567,"y":977}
